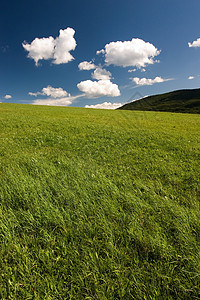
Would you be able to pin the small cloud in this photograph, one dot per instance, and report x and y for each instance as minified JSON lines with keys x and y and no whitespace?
{"x":148,"y":81}
{"x":195,"y":43}
{"x":105,"y":105}
{"x":134,"y":53}
{"x":102,"y":51}
{"x":7,"y":97}
{"x":191,"y":77}
{"x":51,"y":92}
{"x":101,"y":74}
{"x":143,"y":70}
{"x":35,"y":94}
{"x":96,"y":89}
{"x":49,"y":48}
{"x":85,"y":65}
{"x":134,"y":70}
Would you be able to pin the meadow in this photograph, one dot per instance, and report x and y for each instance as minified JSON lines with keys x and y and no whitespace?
{"x":98,"y":204}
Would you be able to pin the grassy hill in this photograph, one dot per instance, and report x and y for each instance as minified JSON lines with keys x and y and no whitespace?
{"x":183,"y":101}
{"x":98,"y":204}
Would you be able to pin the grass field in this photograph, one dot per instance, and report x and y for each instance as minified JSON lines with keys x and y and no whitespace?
{"x":98,"y":204}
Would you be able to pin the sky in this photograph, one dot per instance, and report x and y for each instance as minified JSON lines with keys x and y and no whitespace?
{"x":98,"y":54}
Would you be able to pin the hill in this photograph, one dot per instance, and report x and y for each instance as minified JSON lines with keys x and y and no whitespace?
{"x":98,"y":204}
{"x":182,"y":101}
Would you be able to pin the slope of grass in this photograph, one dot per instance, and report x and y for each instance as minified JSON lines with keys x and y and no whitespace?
{"x":183,"y":101}
{"x":98,"y":204}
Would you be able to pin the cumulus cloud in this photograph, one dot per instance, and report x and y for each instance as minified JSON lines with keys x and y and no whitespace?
{"x":135,"y":53}
{"x":54,"y":92}
{"x":49,"y":48}
{"x":51,"y":92}
{"x":85,"y":65}
{"x":40,"y":49}
{"x":148,"y":81}
{"x":7,"y":96}
{"x":105,"y":105}
{"x":191,"y":77}
{"x":95,"y":89}
{"x":195,"y":43}
{"x":101,"y":74}
{"x":64,"y":44}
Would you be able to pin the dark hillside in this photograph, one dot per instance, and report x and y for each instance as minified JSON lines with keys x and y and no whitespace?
{"x":182,"y":101}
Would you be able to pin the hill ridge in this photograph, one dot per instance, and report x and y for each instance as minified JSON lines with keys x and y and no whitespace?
{"x":182,"y":101}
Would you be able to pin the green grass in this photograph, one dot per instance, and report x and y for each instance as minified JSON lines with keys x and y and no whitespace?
{"x":98,"y":204}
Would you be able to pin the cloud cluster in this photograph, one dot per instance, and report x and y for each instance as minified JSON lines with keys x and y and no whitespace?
{"x":195,"y":43}
{"x":49,"y":48}
{"x":102,"y":86}
{"x":55,"y":97}
{"x":95,"y":89}
{"x":135,"y":53}
{"x":51,"y":92}
{"x":85,"y":65}
{"x":7,"y":97}
{"x":105,"y":105}
{"x":148,"y":81}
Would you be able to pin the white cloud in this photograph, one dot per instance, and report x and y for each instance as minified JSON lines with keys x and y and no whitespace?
{"x":191,"y":77}
{"x":35,"y":94}
{"x":85,"y":65}
{"x":95,"y":89}
{"x":65,"y":101}
{"x":101,"y":74}
{"x":7,"y":96}
{"x":64,"y":44}
{"x":53,"y":102}
{"x":100,"y":52}
{"x":135,"y":53}
{"x":148,"y":81}
{"x":132,"y":70}
{"x":195,"y":43}
{"x":49,"y":48}
{"x":40,"y":49}
{"x":52,"y":92}
{"x":105,"y":105}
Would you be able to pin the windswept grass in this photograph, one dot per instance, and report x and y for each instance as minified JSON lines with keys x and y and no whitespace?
{"x":98,"y":204}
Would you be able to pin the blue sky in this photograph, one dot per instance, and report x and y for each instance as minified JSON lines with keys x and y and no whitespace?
{"x":48,"y":50}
